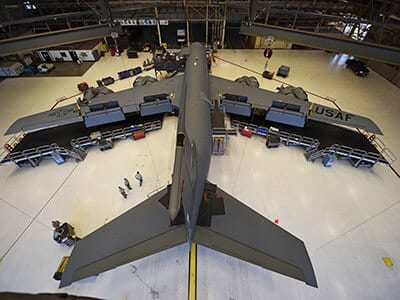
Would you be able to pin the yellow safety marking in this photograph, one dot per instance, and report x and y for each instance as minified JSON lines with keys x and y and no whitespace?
{"x":311,"y":107}
{"x":193,"y":272}
{"x":388,"y":262}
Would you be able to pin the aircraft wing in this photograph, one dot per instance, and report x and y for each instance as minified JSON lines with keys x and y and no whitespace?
{"x":123,"y":102}
{"x":255,"y":96}
{"x":141,"y":231}
{"x":245,"y":234}
{"x":131,"y":99}
{"x":259,"y":98}
{"x":57,"y":117}
{"x":323,"y":113}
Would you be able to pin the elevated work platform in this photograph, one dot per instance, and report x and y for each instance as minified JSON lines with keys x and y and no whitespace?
{"x":70,"y":141}
{"x":362,"y":153}
{"x":357,"y":157}
{"x":32,"y":157}
{"x":116,"y":134}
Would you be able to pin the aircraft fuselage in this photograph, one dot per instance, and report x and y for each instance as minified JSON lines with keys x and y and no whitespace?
{"x":192,"y":156}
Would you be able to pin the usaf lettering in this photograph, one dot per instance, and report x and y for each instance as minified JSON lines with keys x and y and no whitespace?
{"x":333,"y":113}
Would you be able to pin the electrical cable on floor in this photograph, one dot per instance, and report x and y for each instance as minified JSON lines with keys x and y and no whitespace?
{"x":277,"y":80}
{"x":64,"y":99}
{"x":40,"y":211}
{"x":240,"y":163}
{"x":358,"y":225}
{"x":153,"y":162}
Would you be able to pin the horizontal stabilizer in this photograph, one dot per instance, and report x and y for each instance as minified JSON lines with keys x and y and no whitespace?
{"x":243,"y":233}
{"x":141,"y":231}
{"x":327,"y":114}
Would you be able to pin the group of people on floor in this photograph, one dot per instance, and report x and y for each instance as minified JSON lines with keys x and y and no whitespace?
{"x":123,"y":192}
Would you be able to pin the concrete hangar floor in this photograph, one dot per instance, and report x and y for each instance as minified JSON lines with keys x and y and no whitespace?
{"x":347,"y":217}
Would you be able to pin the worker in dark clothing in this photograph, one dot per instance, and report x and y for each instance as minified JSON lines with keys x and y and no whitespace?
{"x":127,"y":184}
{"x":139,"y":177}
{"x":64,"y":233}
{"x":122,"y":191}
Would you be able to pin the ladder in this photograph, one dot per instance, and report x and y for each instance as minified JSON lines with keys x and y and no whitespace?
{"x":380,"y":146}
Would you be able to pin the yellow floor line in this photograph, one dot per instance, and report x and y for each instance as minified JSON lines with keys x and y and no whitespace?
{"x":193,"y":272}
{"x":388,"y":262}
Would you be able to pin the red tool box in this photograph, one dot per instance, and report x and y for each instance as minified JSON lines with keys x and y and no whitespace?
{"x":268,"y":74}
{"x":246,"y":132}
{"x":139,"y":134}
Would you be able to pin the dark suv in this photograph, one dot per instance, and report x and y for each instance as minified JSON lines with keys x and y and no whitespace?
{"x":358,"y":67}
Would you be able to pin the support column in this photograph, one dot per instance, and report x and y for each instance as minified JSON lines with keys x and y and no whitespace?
{"x":206,"y":22}
{"x":158,"y":25}
{"x":187,"y":22}
{"x":223,"y":29}
{"x":253,"y":10}
{"x":105,"y":10}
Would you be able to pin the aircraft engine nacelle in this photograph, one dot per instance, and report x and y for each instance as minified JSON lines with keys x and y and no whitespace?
{"x":249,"y":81}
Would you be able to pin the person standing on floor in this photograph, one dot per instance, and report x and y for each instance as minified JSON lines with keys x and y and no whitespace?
{"x":127,"y":184}
{"x":139,"y":177}
{"x":267,"y":54}
{"x":122,"y":191}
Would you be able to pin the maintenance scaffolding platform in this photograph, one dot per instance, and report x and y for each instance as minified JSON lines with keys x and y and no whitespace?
{"x":362,"y":151}
{"x":61,"y":143}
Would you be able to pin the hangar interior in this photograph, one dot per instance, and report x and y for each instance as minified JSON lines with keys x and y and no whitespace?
{"x":347,"y":217}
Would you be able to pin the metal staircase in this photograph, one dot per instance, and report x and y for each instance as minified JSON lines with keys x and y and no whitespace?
{"x":357,"y":157}
{"x":33,"y":156}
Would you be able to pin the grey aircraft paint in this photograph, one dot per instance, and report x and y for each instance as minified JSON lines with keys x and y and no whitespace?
{"x":150,"y":227}
{"x":198,"y":133}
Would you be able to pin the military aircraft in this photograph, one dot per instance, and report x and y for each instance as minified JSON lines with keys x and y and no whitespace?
{"x":191,"y":209}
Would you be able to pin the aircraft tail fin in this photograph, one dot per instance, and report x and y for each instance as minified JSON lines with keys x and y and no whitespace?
{"x":243,"y":233}
{"x":141,"y":231}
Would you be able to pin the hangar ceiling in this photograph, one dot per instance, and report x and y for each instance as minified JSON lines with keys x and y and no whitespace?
{"x":376,"y":21}
{"x":36,"y":16}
